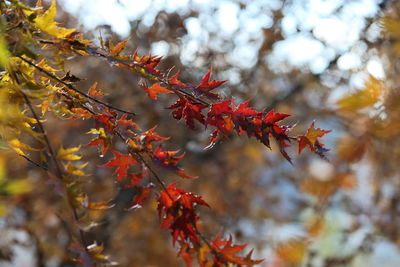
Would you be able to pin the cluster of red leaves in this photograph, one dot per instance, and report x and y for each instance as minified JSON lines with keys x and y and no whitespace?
{"x":223,"y":115}
{"x":176,"y":207}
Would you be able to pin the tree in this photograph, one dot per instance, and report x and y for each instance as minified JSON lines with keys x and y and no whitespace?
{"x":41,"y":90}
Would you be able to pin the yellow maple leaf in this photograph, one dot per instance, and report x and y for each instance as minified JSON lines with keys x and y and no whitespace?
{"x":46,"y":22}
{"x":17,"y":146}
{"x":67,"y":154}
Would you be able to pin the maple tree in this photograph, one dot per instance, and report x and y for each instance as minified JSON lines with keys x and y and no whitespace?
{"x":34,"y":55}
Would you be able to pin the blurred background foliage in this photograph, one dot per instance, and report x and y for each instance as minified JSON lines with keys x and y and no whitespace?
{"x":335,"y":62}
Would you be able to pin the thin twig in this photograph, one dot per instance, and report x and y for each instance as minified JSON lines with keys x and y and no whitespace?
{"x":34,"y":163}
{"x":70,"y":86}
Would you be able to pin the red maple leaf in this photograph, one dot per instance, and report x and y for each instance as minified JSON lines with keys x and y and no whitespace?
{"x":167,"y":158}
{"x":176,"y":209}
{"x":188,"y":110}
{"x":135,"y":179}
{"x":174,"y":80}
{"x":205,"y":86}
{"x":150,"y":136}
{"x":242,"y":117}
{"x":105,"y":121}
{"x":141,"y":196}
{"x":122,"y":162}
{"x":219,"y":116}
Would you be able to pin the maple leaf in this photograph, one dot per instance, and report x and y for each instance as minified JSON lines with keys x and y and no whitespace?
{"x":75,"y":169}
{"x":273,"y":117}
{"x":127,"y":123}
{"x":149,"y":64}
{"x":188,"y":110}
{"x":174,"y":80}
{"x":364,"y":98}
{"x":135,"y":179}
{"x":167,"y":158}
{"x":150,"y":136}
{"x":219,"y":116}
{"x":205,"y":86}
{"x":17,"y":146}
{"x":94,"y":92}
{"x":122,"y":162}
{"x":102,"y":139}
{"x":118,"y":48}
{"x":310,"y":139}
{"x":242,"y":117}
{"x":106,"y":121}
{"x":156,"y":89}
{"x":46,"y":22}
{"x":227,"y":251}
{"x":67,"y":154}
{"x":141,"y":196}
{"x":79,"y":113}
{"x":176,"y":209}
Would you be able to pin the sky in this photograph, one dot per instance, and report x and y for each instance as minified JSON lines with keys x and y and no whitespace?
{"x":321,"y":35}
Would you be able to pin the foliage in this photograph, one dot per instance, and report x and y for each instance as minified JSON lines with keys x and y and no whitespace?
{"x":207,"y":186}
{"x":33,"y":51}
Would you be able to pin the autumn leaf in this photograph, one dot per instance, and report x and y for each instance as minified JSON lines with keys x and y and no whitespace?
{"x":181,"y":224}
{"x":156,"y":89}
{"x":118,"y":48}
{"x":124,"y":122}
{"x":94,"y":92}
{"x":121,"y":162}
{"x":227,"y":251}
{"x":18,"y":147}
{"x":190,"y":111}
{"x":205,"y":86}
{"x":67,"y":154}
{"x":105,"y":121}
{"x":141,"y":196}
{"x":87,"y":203}
{"x":174,"y":80}
{"x":135,"y":179}
{"x":46,"y":22}
{"x":75,"y":169}
{"x":167,"y":158}
{"x":310,"y":139}
{"x":102,"y":139}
